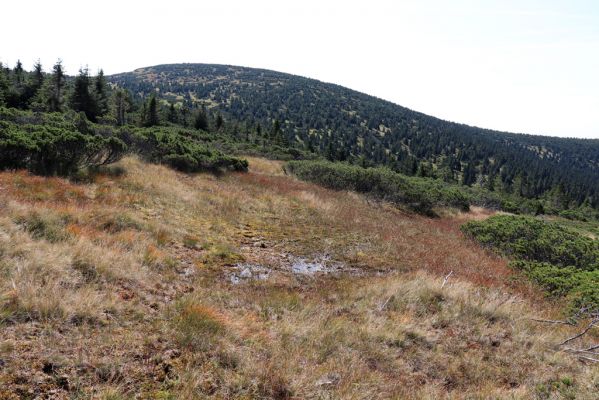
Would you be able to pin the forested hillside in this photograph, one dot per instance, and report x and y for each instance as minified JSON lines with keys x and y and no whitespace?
{"x":343,"y":124}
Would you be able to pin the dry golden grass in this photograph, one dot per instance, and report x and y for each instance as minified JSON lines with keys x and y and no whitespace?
{"x":122,"y":288}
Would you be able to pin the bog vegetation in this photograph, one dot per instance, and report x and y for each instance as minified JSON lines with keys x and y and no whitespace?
{"x":123,"y":286}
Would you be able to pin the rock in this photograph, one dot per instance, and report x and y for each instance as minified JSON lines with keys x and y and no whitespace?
{"x":328,"y":380}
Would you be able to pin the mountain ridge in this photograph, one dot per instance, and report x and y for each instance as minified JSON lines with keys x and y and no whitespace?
{"x":345,"y":124}
{"x":342,"y":86}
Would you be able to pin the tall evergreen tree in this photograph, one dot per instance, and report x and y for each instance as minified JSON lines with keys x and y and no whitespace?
{"x":81,"y":98}
{"x":219,"y":121}
{"x":185,"y":116}
{"x":276,"y":129}
{"x":55,"y":95}
{"x":469,"y":176}
{"x":101,"y":94}
{"x":201,"y":120}
{"x":3,"y":86}
{"x":16,"y":89}
{"x":150,"y":112}
{"x":172,"y":116}
{"x":19,"y":74}
{"x":122,"y":105}
{"x":34,"y":84}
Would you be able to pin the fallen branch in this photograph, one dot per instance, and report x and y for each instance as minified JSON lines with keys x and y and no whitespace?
{"x":588,"y":328}
{"x":446,"y":278}
{"x":381,"y":308}
{"x":551,"y":321}
{"x":583,"y":358}
{"x":581,"y":351}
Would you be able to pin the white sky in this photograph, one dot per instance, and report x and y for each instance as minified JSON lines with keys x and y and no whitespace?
{"x":522,"y":66}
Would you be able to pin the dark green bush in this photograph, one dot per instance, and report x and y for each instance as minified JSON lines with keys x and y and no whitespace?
{"x":51,"y":144}
{"x":63,"y":144}
{"x":418,"y":194}
{"x":532,"y":239}
{"x":179,"y":149}
{"x":560,"y":260}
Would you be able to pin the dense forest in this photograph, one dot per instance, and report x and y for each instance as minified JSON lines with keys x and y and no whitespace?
{"x":344,"y":125}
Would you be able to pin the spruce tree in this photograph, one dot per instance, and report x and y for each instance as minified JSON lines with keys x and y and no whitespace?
{"x":81,"y":99}
{"x":122,"y":105}
{"x":171,"y":116}
{"x":185,"y":116}
{"x":219,"y":121}
{"x":3,"y":86}
{"x":34,"y":85}
{"x":19,"y":74}
{"x":152,"y":113}
{"x":469,"y":176}
{"x":55,"y":96}
{"x":16,"y":89}
{"x":101,"y":94}
{"x":201,"y":121}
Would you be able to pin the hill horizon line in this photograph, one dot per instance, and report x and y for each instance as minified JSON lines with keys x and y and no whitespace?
{"x":490,"y":130}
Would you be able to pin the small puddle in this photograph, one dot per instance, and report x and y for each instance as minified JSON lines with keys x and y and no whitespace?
{"x":321,"y":265}
{"x":244,"y":272}
{"x":247,"y":271}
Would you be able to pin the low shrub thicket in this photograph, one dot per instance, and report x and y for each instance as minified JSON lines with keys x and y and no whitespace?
{"x":562,"y":261}
{"x":62,"y":144}
{"x":418,"y":194}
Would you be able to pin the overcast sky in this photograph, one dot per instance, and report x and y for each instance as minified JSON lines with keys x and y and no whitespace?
{"x":521,"y":66}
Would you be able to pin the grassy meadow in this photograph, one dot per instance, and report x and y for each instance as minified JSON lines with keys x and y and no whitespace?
{"x":144,"y":282}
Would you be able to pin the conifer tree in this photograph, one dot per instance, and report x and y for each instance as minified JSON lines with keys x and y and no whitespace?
{"x":34,"y":84}
{"x":122,"y":105}
{"x":469,"y":176}
{"x":3,"y":86}
{"x":19,"y":74}
{"x":172,"y":116}
{"x":101,"y":94}
{"x":201,"y":121}
{"x":185,"y":116}
{"x":219,"y":121}
{"x":55,"y":95}
{"x":81,"y":99}
{"x":16,"y":89}
{"x":152,"y":113}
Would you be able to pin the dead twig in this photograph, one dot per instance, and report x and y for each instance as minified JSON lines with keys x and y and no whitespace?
{"x":551,"y":321}
{"x":591,"y":359}
{"x":594,"y":347}
{"x":446,"y":278}
{"x":382,"y":307}
{"x":588,"y":328}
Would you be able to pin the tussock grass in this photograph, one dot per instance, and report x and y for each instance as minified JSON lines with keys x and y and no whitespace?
{"x":136,"y":300}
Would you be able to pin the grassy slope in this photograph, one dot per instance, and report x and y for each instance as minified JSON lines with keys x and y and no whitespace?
{"x":121,"y":287}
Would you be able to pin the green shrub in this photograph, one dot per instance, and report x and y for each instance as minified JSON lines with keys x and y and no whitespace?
{"x":51,"y":144}
{"x":418,"y":194}
{"x":64,"y":144}
{"x":532,"y":239}
{"x":179,"y":149}
{"x":560,"y":260}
